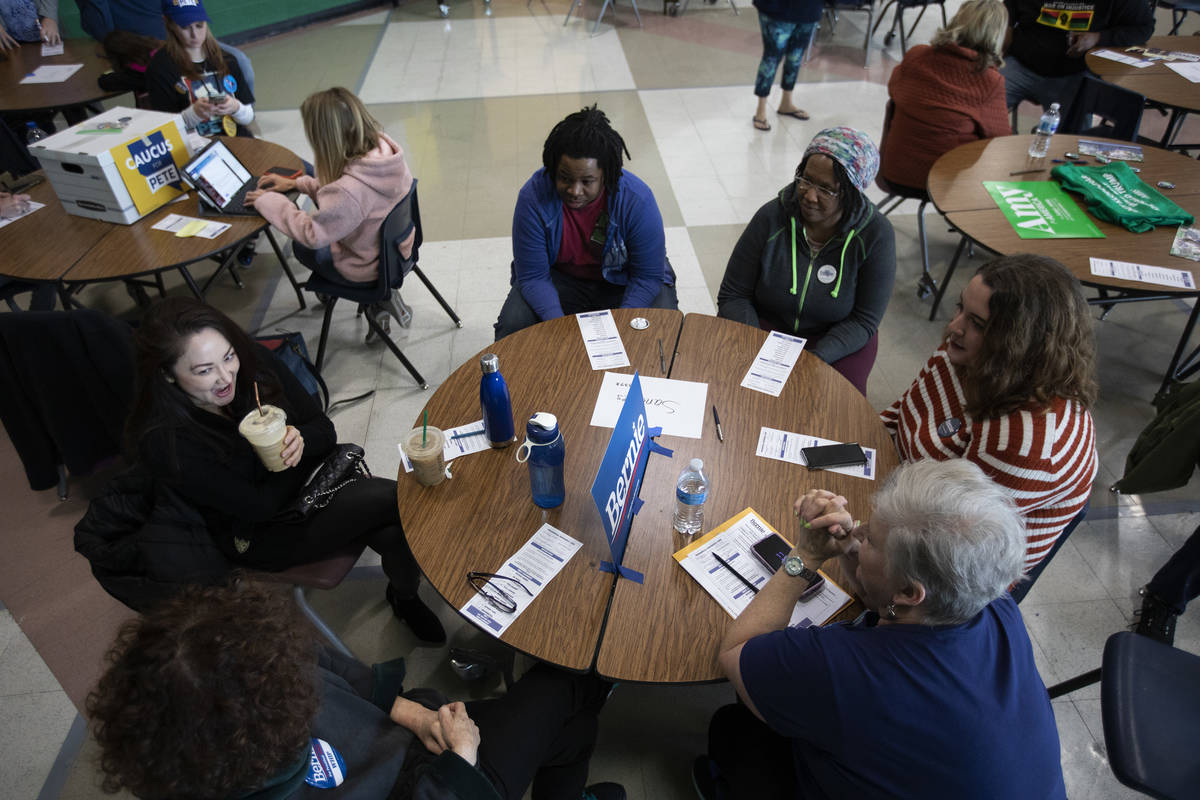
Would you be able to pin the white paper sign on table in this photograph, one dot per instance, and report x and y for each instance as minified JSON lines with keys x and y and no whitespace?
{"x":32,"y":208}
{"x":785,"y":446}
{"x":604,"y":346}
{"x":192,"y":226}
{"x":52,"y":73}
{"x":1188,"y":69}
{"x":52,"y":49}
{"x":773,"y":364}
{"x":460,"y":441}
{"x":733,"y":542}
{"x":1127,"y":271}
{"x":1123,"y":58}
{"x":534,"y":565}
{"x":675,"y":406}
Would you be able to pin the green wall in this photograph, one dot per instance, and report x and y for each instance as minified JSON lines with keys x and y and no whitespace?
{"x":231,"y":17}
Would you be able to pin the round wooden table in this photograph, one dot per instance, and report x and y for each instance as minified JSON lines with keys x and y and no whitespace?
{"x":667,"y":629}
{"x":955,"y":186}
{"x":45,"y":244}
{"x":1156,"y":83}
{"x":130,"y":251}
{"x":80,"y":88}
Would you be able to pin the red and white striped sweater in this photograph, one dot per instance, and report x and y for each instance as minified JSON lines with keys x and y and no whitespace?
{"x":1046,"y":460}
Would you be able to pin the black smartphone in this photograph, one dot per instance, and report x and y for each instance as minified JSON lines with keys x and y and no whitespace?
{"x":771,"y":551}
{"x":833,"y":455}
{"x":285,"y":172}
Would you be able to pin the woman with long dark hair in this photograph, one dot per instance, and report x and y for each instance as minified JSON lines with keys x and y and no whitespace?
{"x":198,"y":375}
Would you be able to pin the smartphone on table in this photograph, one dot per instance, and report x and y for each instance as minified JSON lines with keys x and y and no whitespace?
{"x":772,"y":550}
{"x":827,"y":456}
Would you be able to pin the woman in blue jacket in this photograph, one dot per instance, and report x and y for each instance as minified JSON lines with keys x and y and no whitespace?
{"x":586,"y":234}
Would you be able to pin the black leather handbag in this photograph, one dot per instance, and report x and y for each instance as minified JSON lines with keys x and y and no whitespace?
{"x":345,"y":465}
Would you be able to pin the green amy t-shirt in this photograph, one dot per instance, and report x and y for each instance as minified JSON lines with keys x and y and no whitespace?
{"x":1114,"y":193}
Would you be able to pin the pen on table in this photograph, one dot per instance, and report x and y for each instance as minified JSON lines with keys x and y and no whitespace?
{"x":1027,"y":171}
{"x":739,"y":575}
{"x":662,"y":359}
{"x":465,"y":434}
{"x":720,"y":430}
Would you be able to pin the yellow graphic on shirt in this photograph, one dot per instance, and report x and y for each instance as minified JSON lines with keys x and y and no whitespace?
{"x":1067,"y":16}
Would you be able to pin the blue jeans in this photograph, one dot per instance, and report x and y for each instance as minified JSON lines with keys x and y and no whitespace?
{"x":786,"y":40}
{"x":1022,"y":83}
{"x":321,"y":262}
{"x":575,"y":295}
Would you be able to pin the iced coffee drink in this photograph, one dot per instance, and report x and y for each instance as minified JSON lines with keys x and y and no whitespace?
{"x":265,"y":432}
{"x":424,"y":446}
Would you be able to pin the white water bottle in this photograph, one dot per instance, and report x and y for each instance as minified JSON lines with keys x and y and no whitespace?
{"x":1045,"y":131}
{"x":690,"y":493}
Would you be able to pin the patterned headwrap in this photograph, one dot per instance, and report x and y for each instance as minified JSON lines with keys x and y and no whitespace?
{"x":851,"y":148}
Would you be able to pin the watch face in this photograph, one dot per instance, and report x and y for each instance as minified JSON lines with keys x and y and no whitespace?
{"x":793,"y":565}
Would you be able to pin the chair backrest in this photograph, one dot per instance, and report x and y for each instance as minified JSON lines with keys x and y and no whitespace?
{"x":1120,"y":110}
{"x":403,"y":219}
{"x":1150,"y":703}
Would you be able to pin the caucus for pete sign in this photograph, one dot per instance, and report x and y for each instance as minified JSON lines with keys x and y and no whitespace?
{"x":149,"y":167}
{"x":1041,"y":210}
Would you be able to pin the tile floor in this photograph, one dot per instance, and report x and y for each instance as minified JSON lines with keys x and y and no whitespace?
{"x":471,"y":99}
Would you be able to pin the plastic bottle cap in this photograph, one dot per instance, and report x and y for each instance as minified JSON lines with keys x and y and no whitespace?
{"x":544,"y":419}
{"x":696,"y":464}
{"x":489,"y":363}
{"x":1054,"y":106}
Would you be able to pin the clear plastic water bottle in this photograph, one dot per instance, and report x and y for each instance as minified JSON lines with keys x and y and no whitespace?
{"x":690,"y":493}
{"x":33,"y":133}
{"x":546,"y":451}
{"x":1045,"y":131}
{"x":495,"y":403}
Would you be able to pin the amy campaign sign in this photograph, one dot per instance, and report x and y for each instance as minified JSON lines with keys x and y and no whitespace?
{"x":619,"y":479}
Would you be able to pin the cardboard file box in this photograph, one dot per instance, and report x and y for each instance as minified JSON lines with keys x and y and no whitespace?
{"x":117,"y":166}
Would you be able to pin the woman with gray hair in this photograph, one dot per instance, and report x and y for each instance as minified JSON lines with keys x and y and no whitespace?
{"x":931,"y":693}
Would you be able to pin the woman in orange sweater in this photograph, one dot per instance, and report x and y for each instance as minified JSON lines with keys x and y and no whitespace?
{"x":945,"y":93}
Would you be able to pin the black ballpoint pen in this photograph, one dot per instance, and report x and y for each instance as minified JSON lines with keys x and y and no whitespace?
{"x":720,"y":430}
{"x":662,"y":359}
{"x":739,"y":575}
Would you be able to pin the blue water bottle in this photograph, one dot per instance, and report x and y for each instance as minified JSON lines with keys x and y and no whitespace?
{"x":545,"y":450}
{"x":495,"y":403}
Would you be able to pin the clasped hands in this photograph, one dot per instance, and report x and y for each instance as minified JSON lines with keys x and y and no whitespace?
{"x":450,"y":728}
{"x":828,"y":529}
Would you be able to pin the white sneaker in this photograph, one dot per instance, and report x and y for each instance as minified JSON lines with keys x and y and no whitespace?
{"x":399,"y":309}
{"x":445,"y":9}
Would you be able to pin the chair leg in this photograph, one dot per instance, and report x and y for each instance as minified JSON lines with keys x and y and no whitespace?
{"x":318,"y":623}
{"x":937,"y":300}
{"x":924,"y":243}
{"x":636,"y":13}
{"x":437,"y":295}
{"x":286,"y":269}
{"x":64,"y":489}
{"x":887,"y":200}
{"x":734,"y":7}
{"x":600,"y":18}
{"x":867,"y":37}
{"x":1072,"y":684}
{"x":574,"y":5}
{"x":396,"y":352}
{"x":324,"y":333}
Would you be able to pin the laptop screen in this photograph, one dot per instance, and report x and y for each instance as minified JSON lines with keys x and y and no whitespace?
{"x":217,"y":173}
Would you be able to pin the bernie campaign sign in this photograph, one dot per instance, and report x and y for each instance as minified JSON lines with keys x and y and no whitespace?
{"x":619,"y":479}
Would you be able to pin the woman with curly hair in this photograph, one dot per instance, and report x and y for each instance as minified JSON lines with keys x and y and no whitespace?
{"x":222,"y":692}
{"x":1010,"y":388}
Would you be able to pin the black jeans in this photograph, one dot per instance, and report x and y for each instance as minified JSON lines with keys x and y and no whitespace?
{"x":541,"y":732}
{"x":753,"y":760}
{"x":1179,"y":579}
{"x":364,"y":511}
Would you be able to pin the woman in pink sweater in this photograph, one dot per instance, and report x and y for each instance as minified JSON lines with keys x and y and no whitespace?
{"x":361,"y":176}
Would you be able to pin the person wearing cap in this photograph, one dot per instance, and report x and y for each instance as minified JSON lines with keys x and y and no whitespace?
{"x":818,"y":260}
{"x":175,"y":75}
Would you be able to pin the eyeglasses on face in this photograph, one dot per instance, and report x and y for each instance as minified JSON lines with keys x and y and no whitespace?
{"x":803,"y":184}
{"x":498,"y":597}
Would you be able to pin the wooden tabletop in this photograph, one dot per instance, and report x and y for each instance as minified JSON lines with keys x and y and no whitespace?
{"x":667,"y":629}
{"x":81,"y":87}
{"x":485,"y":513}
{"x":956,"y":179}
{"x":45,"y":244}
{"x":136,"y":249}
{"x":956,"y":188}
{"x":1155,"y":82}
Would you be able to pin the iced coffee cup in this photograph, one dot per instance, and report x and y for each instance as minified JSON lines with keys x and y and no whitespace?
{"x":265,"y":432}
{"x":428,"y":461}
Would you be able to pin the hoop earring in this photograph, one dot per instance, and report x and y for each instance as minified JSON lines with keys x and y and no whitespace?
{"x":890,"y":611}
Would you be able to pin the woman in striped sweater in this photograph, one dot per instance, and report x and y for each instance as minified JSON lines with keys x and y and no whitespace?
{"x":1009,"y":388}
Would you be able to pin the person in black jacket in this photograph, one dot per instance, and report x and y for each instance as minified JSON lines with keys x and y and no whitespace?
{"x":221,"y":693}
{"x":198,"y":374}
{"x":1049,"y":38}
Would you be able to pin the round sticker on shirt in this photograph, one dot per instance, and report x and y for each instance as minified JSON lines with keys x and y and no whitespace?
{"x":229,"y":126}
{"x":949,"y":427}
{"x":826,"y":274}
{"x":326,"y":769}
{"x":230,"y":84}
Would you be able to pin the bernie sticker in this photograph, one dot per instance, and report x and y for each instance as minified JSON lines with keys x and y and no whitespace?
{"x":230,"y":84}
{"x":949,"y":427}
{"x":826,"y":274}
{"x":326,"y":769}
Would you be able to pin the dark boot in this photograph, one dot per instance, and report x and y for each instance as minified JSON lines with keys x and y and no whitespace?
{"x":419,"y":617}
{"x":1156,"y":619}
